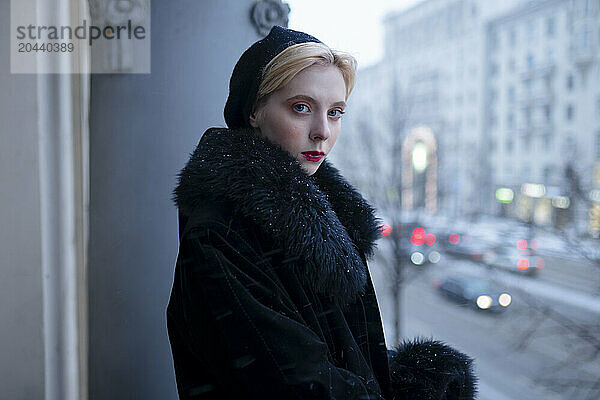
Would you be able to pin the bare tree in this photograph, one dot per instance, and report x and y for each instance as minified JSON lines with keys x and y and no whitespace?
{"x":380,"y":179}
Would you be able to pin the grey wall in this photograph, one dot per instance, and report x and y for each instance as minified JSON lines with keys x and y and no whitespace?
{"x":21,"y":297}
{"x":143,"y":128}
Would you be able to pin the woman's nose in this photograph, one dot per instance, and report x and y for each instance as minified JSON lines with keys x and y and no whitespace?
{"x":320,"y":128}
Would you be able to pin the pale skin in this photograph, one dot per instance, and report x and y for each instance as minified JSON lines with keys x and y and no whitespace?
{"x":304,"y":115}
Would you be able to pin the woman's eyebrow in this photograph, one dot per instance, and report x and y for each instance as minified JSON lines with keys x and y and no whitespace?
{"x":310,"y":99}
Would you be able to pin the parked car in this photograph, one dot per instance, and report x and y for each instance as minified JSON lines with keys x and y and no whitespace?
{"x":475,"y":292}
{"x":512,"y":259}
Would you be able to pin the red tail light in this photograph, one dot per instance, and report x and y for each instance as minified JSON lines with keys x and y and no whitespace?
{"x":419,"y":232}
{"x":454,"y":238}
{"x":418,"y":236}
{"x":429,"y":239}
{"x":523,"y":264}
{"x":416,"y":240}
{"x":386,"y":229}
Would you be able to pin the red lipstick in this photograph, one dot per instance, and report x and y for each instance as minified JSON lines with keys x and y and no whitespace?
{"x":315,"y":156}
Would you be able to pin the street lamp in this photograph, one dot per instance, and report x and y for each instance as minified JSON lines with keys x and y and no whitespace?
{"x":419,"y":157}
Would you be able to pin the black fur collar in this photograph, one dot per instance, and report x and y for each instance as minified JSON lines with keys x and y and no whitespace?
{"x":320,"y":218}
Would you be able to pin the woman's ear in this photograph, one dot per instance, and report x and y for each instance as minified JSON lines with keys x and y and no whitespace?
{"x":253,"y":119}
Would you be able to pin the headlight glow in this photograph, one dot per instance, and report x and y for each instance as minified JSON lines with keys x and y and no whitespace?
{"x":504,"y":299}
{"x":417,"y":258}
{"x":484,"y":302}
{"x":434,"y":257}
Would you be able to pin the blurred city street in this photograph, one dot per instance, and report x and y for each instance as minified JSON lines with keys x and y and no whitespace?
{"x":524,"y":352}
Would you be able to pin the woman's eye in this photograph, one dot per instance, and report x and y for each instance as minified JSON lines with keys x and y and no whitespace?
{"x":336,"y":113}
{"x":300,"y":107}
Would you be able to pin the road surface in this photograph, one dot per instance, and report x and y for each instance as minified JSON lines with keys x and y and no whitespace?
{"x":521,"y":354}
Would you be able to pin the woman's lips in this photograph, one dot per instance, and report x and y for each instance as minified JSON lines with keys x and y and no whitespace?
{"x":315,"y":156}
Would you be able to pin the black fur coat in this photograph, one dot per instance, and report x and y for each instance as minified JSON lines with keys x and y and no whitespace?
{"x":272,"y":297}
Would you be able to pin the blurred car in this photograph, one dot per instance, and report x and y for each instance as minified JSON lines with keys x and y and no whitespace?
{"x":416,"y":244}
{"x":476,"y":292}
{"x":465,"y":246}
{"x":422,"y":248}
{"x":512,"y":259}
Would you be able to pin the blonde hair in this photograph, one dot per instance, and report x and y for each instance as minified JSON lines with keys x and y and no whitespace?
{"x":287,"y":64}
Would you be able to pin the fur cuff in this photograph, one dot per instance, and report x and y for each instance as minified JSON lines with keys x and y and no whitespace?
{"x":430,"y":370}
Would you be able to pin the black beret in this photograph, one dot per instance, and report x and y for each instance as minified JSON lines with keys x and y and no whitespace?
{"x":247,"y":74}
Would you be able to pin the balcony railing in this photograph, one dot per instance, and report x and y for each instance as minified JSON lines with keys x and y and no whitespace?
{"x":538,"y":70}
{"x":536,"y":98}
{"x":584,"y":41}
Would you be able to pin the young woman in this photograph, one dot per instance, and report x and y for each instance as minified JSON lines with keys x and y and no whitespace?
{"x":272,"y":297}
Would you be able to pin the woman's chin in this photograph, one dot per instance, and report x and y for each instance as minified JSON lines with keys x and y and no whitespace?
{"x":310,"y":167}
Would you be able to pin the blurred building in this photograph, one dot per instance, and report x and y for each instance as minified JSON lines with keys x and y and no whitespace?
{"x":510,"y":91}
{"x":542,"y":108}
{"x":432,"y":74}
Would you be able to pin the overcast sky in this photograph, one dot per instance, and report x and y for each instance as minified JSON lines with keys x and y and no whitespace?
{"x":353,"y":26}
